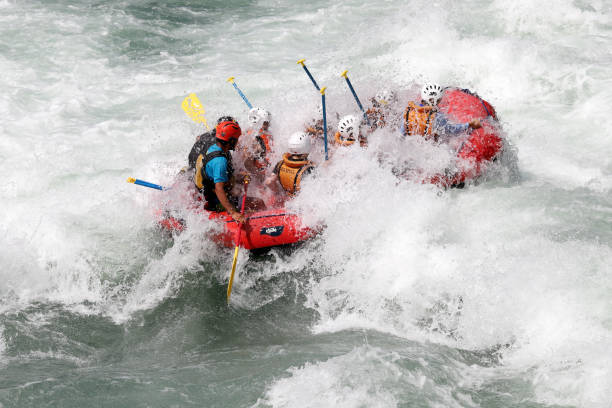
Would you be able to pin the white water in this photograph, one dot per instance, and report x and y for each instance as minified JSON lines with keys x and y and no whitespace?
{"x":528,"y":259}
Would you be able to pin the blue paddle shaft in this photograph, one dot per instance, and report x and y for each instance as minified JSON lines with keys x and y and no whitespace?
{"x":244,"y":98}
{"x":147,"y":184}
{"x":348,"y":81}
{"x":311,"y":78}
{"x":324,"y":124}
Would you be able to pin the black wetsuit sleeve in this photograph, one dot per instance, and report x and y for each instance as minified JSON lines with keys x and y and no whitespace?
{"x":196,"y":150}
{"x":277,"y":167}
{"x":310,"y":170}
{"x":200,"y":147}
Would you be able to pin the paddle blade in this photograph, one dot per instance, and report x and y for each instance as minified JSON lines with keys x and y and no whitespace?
{"x":231,"y":281}
{"x":194,"y":109}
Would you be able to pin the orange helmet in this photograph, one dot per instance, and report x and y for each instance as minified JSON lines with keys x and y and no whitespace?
{"x":227,"y":131}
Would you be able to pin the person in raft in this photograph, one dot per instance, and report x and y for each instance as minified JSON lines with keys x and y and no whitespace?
{"x":259,"y":141}
{"x":203,"y":142}
{"x":315,"y":127}
{"x":289,"y":171}
{"x":349,"y":131}
{"x":426,"y":120}
{"x":382,"y":113}
{"x":214,"y":171}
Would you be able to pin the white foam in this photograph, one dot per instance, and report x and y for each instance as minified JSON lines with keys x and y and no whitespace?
{"x":498,"y":263}
{"x":366,"y":376}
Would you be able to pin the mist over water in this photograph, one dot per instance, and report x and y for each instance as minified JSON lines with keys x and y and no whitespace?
{"x":494,"y":295}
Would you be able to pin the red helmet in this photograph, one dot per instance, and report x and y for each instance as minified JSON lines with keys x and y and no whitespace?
{"x":227,"y":130}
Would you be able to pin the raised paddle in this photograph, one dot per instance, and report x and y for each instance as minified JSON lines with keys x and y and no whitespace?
{"x":322,"y":91}
{"x":348,"y":82}
{"x":194,"y":109}
{"x":301,"y":62}
{"x":238,"y":239}
{"x":243,"y":96}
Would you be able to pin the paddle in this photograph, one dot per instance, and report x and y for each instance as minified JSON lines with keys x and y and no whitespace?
{"x":238,"y":239}
{"x":146,"y":184}
{"x":301,"y":62}
{"x":244,"y":98}
{"x":194,"y":109}
{"x":348,"y":81}
{"x":322,"y":92}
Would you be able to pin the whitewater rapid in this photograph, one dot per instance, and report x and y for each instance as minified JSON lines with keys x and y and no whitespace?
{"x":500,"y":289}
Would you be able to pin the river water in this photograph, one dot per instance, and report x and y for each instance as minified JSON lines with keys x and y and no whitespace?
{"x":496,"y":295}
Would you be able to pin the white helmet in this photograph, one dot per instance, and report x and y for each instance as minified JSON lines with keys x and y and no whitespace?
{"x":385,"y":97}
{"x":258,"y":115}
{"x":431,"y":93}
{"x":299,"y":143}
{"x":349,"y":127}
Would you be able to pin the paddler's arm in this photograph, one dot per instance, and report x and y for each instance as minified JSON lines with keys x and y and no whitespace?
{"x":249,"y":164}
{"x":225,"y":202}
{"x":272,"y":183}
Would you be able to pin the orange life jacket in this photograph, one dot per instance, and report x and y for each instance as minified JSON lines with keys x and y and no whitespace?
{"x":314,"y":130}
{"x":376,"y":117}
{"x":418,"y":120}
{"x":341,"y":142}
{"x":290,"y":172}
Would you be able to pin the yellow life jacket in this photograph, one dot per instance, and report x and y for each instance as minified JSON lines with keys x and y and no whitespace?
{"x":418,"y":120}
{"x":290,"y":172}
{"x":197,"y":177}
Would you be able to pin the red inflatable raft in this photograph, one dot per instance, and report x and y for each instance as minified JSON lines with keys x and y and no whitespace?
{"x":482,"y":146}
{"x":263,"y":229}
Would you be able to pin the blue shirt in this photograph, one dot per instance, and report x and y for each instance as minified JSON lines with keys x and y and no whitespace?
{"x":216,"y":169}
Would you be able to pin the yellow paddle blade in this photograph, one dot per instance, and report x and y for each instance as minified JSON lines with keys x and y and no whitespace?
{"x":343,"y":74}
{"x":131,"y":180}
{"x":194,"y":109}
{"x":231,"y":281}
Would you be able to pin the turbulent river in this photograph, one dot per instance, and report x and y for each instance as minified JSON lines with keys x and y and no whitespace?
{"x":496,"y":295}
